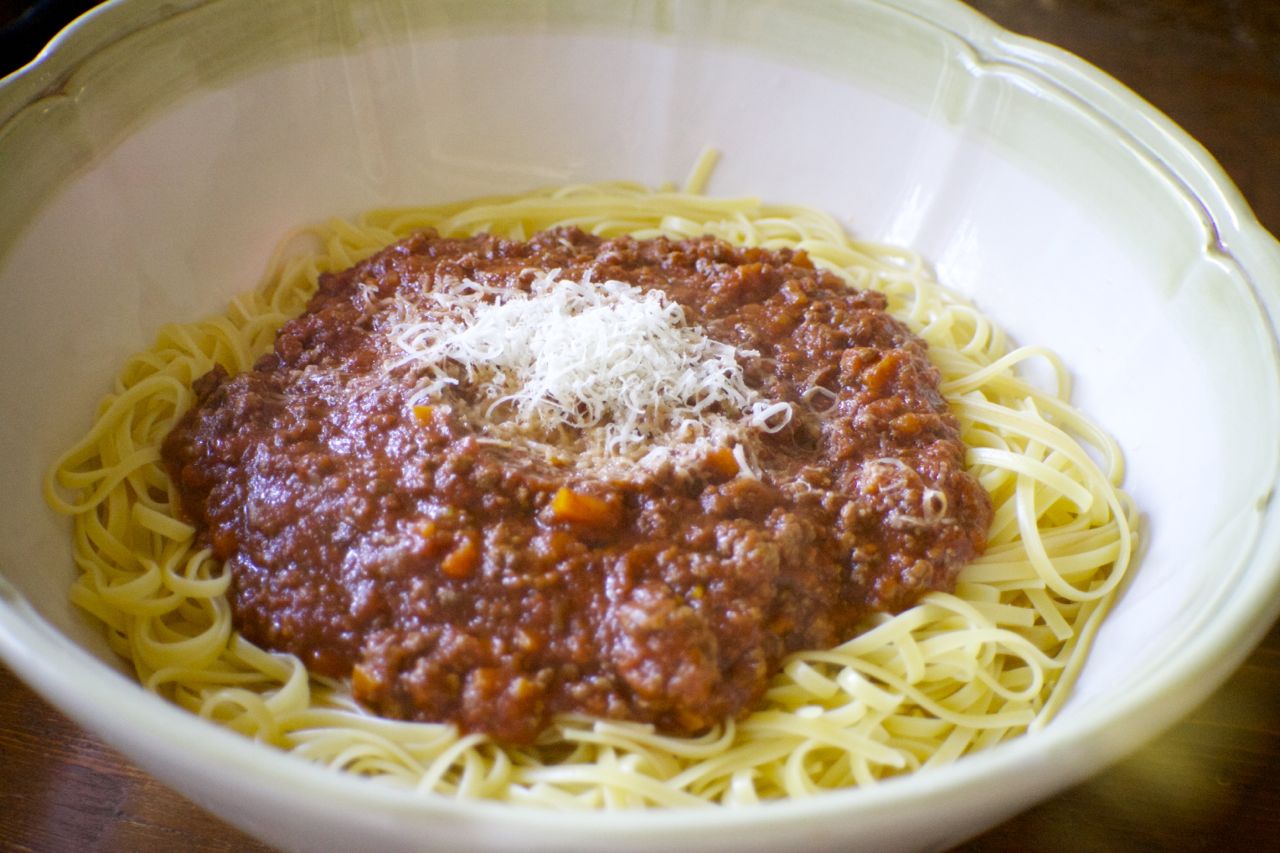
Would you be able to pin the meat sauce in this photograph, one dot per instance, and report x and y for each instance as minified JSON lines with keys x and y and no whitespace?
{"x":457,"y":580}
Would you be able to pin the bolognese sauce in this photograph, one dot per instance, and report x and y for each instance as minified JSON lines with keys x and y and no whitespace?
{"x":409,"y":527}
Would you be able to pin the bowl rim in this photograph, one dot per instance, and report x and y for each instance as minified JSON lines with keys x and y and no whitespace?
{"x":99,"y":698}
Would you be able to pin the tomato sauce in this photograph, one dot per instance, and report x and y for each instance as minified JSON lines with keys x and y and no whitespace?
{"x":462,"y":581}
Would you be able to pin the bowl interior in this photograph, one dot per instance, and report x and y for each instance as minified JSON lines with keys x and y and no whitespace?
{"x":153,"y":186}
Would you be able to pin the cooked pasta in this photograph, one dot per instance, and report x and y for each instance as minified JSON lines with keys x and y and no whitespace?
{"x":955,"y":673}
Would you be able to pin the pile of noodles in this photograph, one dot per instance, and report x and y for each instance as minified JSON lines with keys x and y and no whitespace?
{"x":956,"y":673}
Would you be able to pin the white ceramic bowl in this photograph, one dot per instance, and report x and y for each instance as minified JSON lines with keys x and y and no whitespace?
{"x":156,"y":152}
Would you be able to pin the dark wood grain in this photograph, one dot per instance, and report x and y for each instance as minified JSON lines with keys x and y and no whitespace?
{"x":1210,"y":783}
{"x":61,"y":789}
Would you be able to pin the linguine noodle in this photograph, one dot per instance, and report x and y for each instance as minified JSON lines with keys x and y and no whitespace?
{"x":956,"y":673}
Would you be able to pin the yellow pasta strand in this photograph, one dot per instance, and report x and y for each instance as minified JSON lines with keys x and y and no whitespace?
{"x":956,"y":673}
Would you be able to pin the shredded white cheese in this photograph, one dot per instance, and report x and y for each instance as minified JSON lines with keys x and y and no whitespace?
{"x":589,"y":356}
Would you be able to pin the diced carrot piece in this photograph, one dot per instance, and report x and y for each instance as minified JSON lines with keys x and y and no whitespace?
{"x":527,"y":641}
{"x":723,"y":462}
{"x":461,"y":561}
{"x":794,"y":294}
{"x":569,"y":505}
{"x":362,"y":683}
{"x":423,"y":413}
{"x":876,"y":377}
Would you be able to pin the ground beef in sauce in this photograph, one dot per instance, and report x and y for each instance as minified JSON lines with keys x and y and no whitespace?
{"x":429,"y":567}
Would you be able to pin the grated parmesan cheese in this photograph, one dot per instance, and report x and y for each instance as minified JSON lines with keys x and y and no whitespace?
{"x":612,"y":363}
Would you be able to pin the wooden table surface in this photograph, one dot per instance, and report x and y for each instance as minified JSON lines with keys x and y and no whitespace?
{"x":1212,"y":782}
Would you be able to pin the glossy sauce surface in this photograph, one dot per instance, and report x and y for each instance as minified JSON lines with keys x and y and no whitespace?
{"x":455,"y":579}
